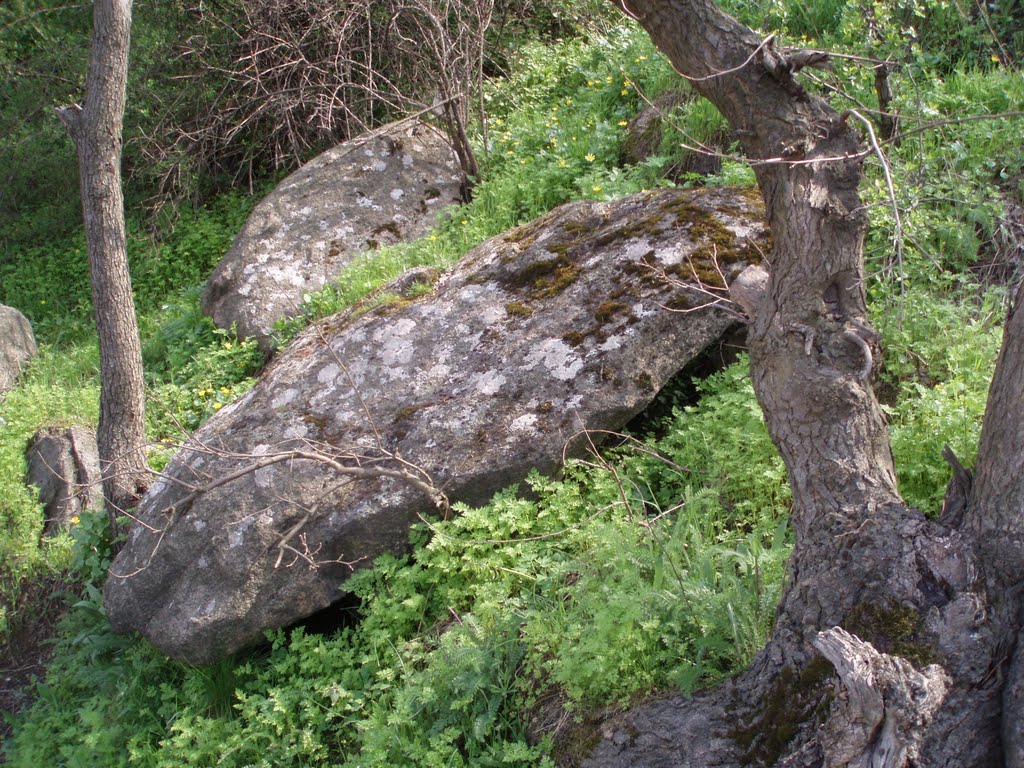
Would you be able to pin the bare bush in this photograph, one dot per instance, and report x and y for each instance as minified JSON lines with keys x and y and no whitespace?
{"x":269,"y":82}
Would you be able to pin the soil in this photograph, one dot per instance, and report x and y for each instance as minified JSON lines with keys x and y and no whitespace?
{"x":24,"y":657}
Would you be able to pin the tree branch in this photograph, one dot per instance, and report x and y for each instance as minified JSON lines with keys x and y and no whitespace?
{"x":71,"y":118}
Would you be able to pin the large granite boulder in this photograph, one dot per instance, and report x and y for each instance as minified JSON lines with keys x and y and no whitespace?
{"x":557,"y":326}
{"x":382,"y":188}
{"x":17,"y":346}
{"x":64,"y":464}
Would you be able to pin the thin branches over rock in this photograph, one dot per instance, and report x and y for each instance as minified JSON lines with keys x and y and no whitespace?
{"x":348,"y":466}
{"x":367,"y":417}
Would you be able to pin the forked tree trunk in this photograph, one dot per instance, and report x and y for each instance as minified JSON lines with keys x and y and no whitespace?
{"x":919,"y":592}
{"x":96,"y":130}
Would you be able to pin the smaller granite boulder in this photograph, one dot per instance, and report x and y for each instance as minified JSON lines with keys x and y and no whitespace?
{"x":64,"y":464}
{"x":17,"y":346}
{"x":380,"y":189}
{"x":645,"y":135}
{"x":644,"y":132}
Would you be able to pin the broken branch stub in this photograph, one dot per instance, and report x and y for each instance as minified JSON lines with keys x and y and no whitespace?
{"x":878,"y":721}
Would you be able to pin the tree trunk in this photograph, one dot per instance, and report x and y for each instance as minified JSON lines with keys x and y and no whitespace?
{"x":96,"y":130}
{"x":911,"y":588}
{"x":995,"y":521}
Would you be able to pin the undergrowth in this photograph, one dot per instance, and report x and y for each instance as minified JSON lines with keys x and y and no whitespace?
{"x":656,"y":564}
{"x":590,"y":585}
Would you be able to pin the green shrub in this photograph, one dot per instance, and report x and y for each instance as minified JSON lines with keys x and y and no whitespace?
{"x":50,"y":283}
{"x":588,"y":586}
{"x":216,"y":375}
{"x":184,"y":254}
{"x":50,"y":286}
{"x":937,"y":367}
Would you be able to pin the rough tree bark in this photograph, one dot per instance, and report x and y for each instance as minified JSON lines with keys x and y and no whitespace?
{"x":919,"y":592}
{"x":96,"y":129}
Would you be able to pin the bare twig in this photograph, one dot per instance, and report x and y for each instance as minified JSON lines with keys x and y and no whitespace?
{"x":898,"y":219}
{"x":33,"y":14}
{"x":292,"y":77}
{"x":174,"y":511}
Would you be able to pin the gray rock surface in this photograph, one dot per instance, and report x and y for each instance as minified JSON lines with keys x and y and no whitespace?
{"x":383,"y":188}
{"x":64,"y":464}
{"x":557,"y":326}
{"x":17,"y":346}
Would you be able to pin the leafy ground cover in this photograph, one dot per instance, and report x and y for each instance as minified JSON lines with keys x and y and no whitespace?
{"x":655,"y":563}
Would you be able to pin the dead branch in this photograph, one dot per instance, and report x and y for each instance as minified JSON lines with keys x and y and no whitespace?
{"x":289,"y":78}
{"x":715,"y":294}
{"x":358,"y":468}
{"x":878,"y":721}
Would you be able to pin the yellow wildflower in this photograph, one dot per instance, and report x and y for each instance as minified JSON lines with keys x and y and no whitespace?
{"x":590,"y":157}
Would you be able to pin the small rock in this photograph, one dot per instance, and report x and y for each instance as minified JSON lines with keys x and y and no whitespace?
{"x":64,"y":464}
{"x":17,"y":346}
{"x":645,"y":131}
